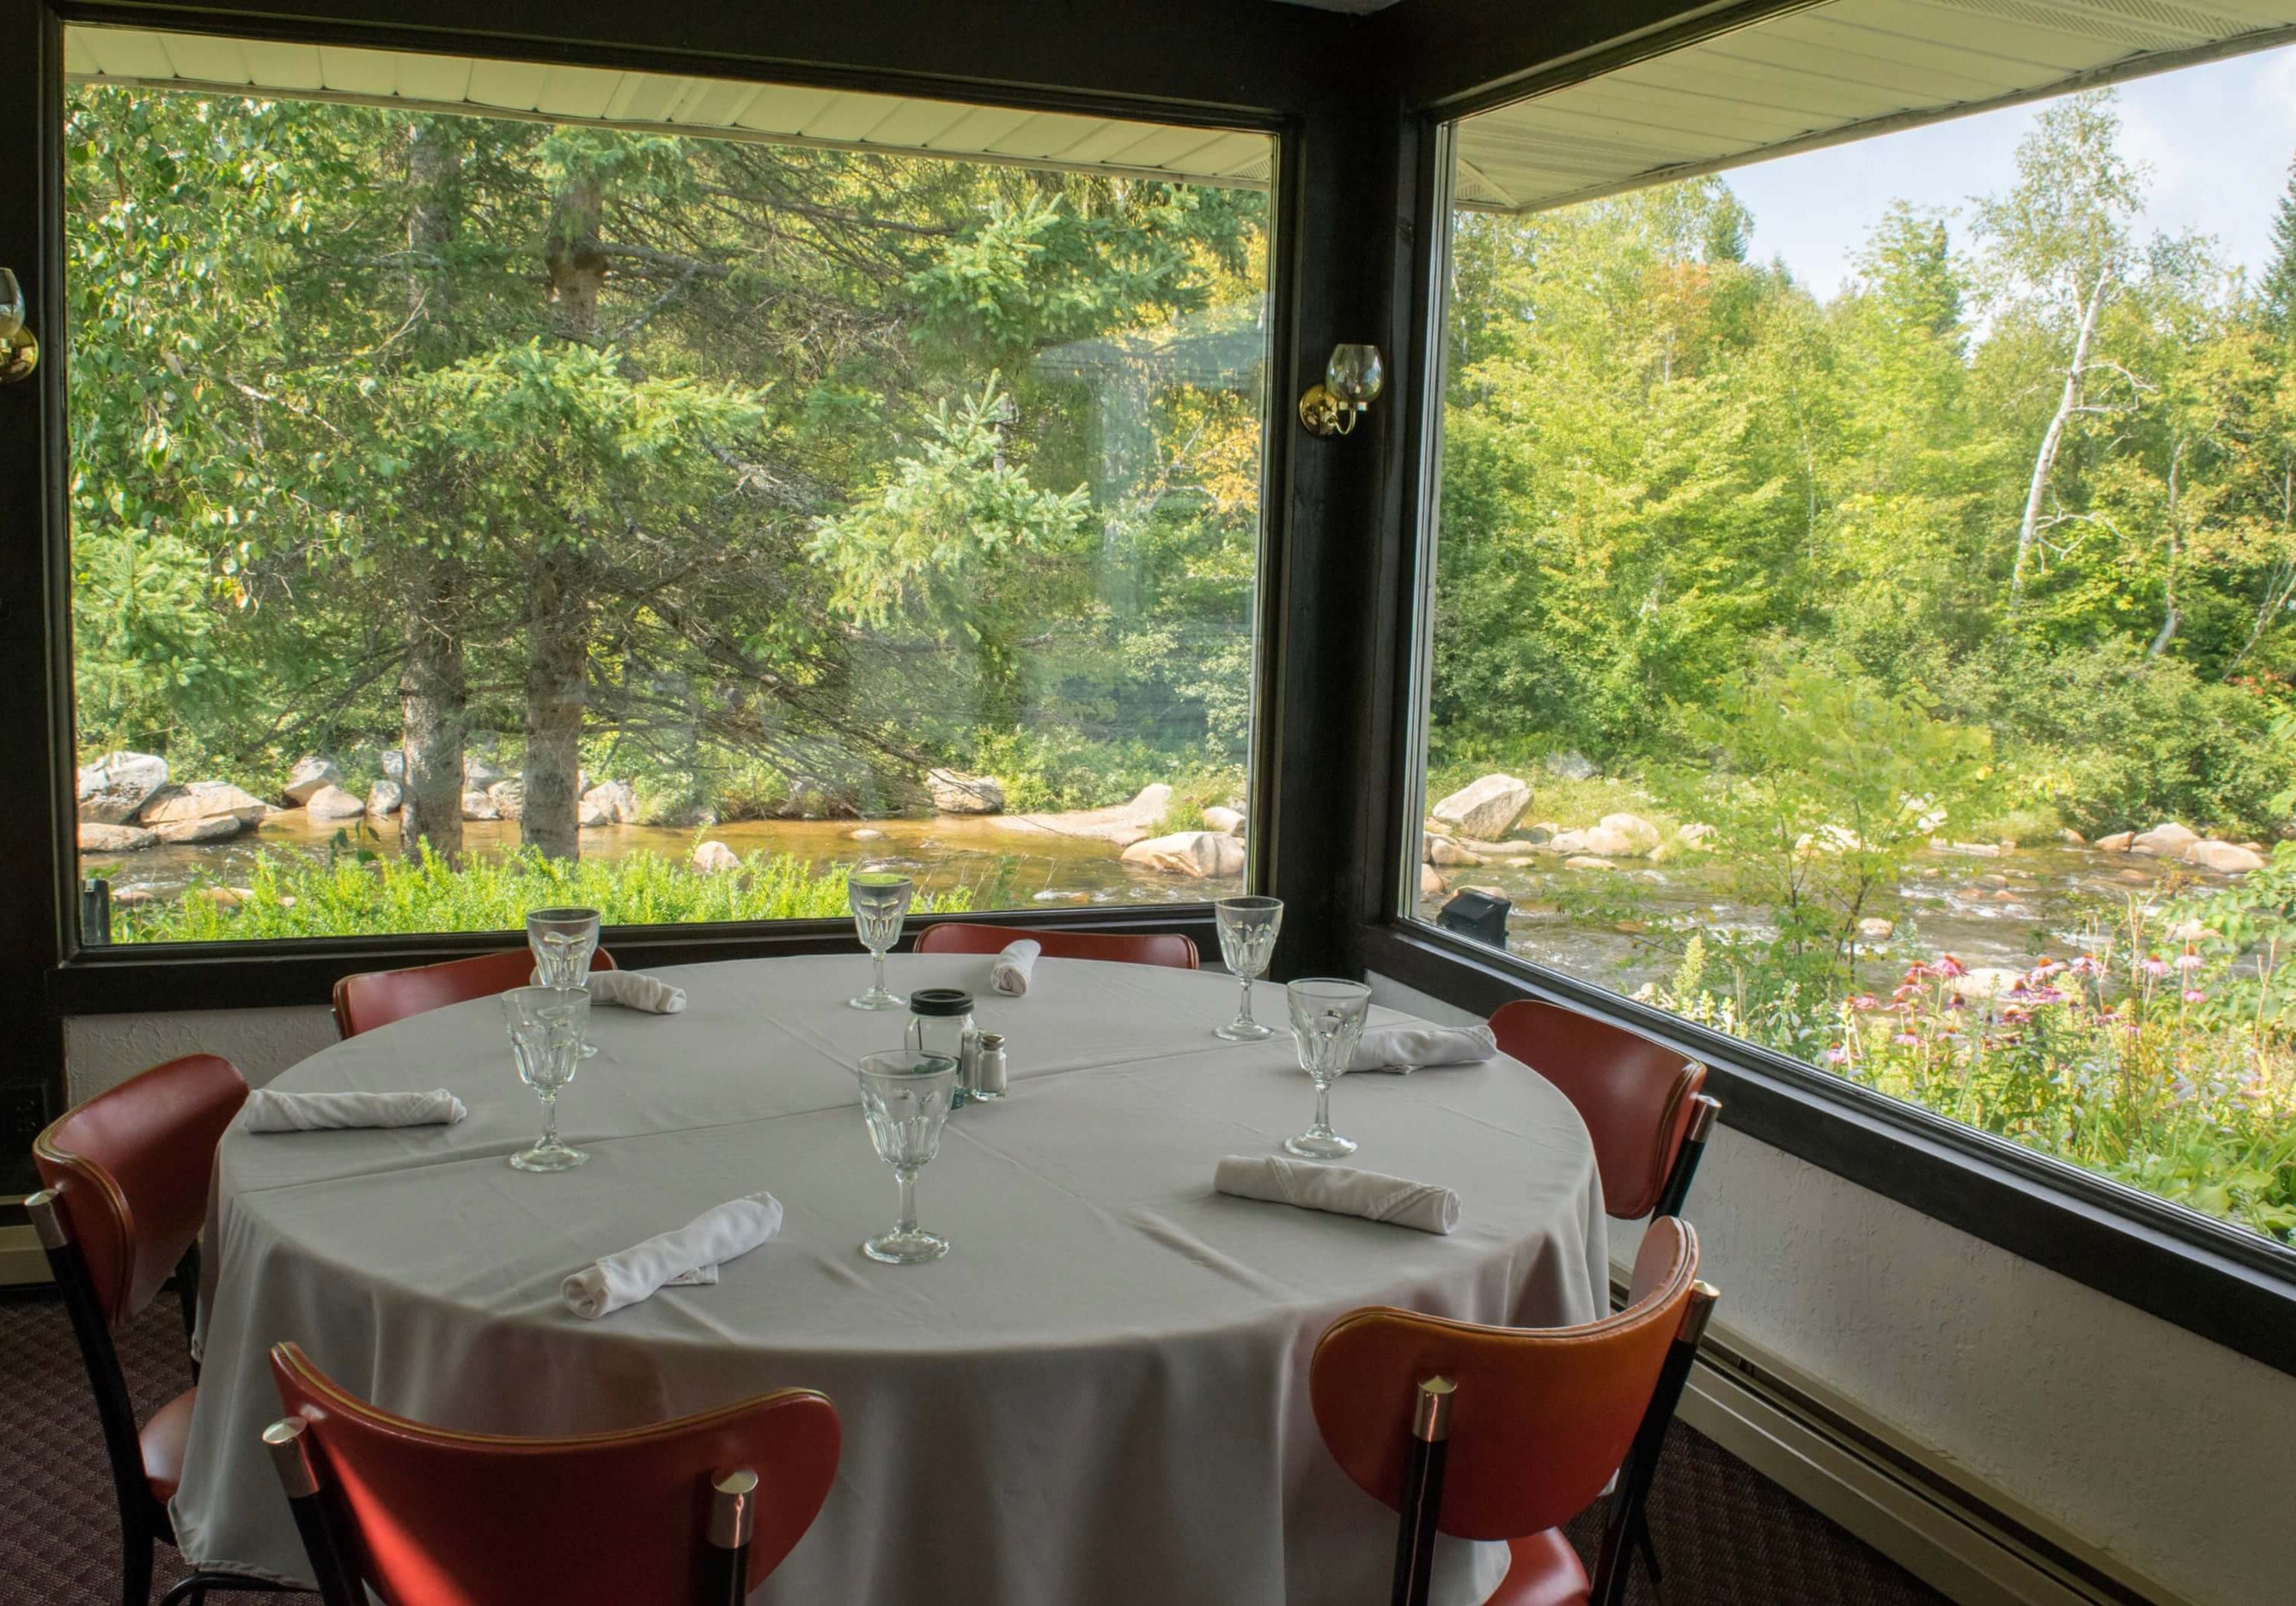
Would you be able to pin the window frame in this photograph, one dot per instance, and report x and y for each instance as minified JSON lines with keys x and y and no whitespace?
{"x":102,"y":978}
{"x":2209,"y":1277}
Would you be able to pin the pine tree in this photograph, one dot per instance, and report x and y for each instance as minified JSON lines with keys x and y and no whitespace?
{"x":2279,"y":286}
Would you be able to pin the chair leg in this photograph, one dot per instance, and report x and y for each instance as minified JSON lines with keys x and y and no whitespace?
{"x":135,"y":1566}
{"x":191,"y":1592}
{"x":1649,"y":1551}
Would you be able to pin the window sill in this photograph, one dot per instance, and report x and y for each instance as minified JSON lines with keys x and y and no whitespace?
{"x":133,"y":977}
{"x":2216,"y":1281}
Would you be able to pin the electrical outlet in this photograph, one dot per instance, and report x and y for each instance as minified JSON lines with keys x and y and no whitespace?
{"x":23,"y":1111}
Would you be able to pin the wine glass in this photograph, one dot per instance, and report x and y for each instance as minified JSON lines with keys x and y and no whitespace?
{"x":880,"y":901}
{"x":11,"y":304}
{"x":1247,"y":936}
{"x":906,"y":1099}
{"x":547,"y":1026}
{"x":1327,"y":1023}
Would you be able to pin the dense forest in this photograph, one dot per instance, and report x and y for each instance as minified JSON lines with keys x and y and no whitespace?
{"x":765,"y":478}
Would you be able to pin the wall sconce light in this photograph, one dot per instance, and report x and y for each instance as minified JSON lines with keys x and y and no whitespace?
{"x":1352,"y":380}
{"x":19,"y":353}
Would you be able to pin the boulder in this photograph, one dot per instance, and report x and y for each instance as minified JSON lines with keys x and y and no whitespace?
{"x":1431,"y":884}
{"x":1486,"y":808}
{"x":116,"y":785}
{"x":1874,"y":928}
{"x":589,"y":816}
{"x":2118,"y":842}
{"x":1635,"y":828}
{"x":1124,"y":824}
{"x":1604,"y":841}
{"x":96,"y":837}
{"x":479,"y":806}
{"x":1201,"y":855}
{"x":956,"y":792}
{"x":509,"y":798}
{"x":867,"y":833}
{"x":1987,"y":981}
{"x":1228,"y":820}
{"x":309,"y":778}
{"x":1541,"y":834}
{"x":1444,"y":851}
{"x":203,"y":801}
{"x":617,"y":799}
{"x":2072,"y":839}
{"x":2226,"y":858}
{"x":1566,"y":842}
{"x":1585,"y":862}
{"x":1570,"y":767}
{"x":212,"y":828}
{"x":1696,"y":835}
{"x":394,"y":763}
{"x":712,"y":857}
{"x":480,"y":775}
{"x":332,"y":802}
{"x":387,"y":798}
{"x":2166,"y":840}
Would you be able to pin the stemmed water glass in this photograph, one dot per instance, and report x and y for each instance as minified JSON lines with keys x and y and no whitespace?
{"x":906,"y":1099}
{"x":1327,"y":1023}
{"x":880,"y":901}
{"x":563,"y":941}
{"x":547,"y":1026}
{"x":11,"y":304}
{"x":1247,"y":936}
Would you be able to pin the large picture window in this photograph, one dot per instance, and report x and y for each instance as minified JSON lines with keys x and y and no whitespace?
{"x":1865,"y":606}
{"x":494,"y":484}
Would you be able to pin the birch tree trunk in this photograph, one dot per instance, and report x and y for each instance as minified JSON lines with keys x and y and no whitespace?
{"x":558,"y":606}
{"x":2169,"y":617}
{"x":433,"y":691}
{"x":2045,"y":460}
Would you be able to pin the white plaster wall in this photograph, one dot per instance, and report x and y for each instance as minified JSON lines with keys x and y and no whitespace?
{"x":101,"y":1051}
{"x":2170,"y":1452}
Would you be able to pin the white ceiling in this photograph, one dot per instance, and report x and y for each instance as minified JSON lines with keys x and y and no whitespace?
{"x":720,"y":107}
{"x":1825,"y":75}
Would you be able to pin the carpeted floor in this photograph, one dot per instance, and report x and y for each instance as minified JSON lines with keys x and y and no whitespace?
{"x":1725,"y":1535}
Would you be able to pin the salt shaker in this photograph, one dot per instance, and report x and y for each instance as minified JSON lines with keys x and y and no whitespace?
{"x":988,"y":1070}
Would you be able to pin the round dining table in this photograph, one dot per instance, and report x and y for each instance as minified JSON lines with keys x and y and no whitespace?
{"x":1099,"y":1396}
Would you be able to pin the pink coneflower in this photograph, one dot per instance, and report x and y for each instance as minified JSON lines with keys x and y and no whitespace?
{"x":2153,"y":964}
{"x":2045,"y":969}
{"x":2188,"y":961}
{"x":2194,"y":994}
{"x":1837,"y":1055}
{"x":1956,"y":1003}
{"x":1948,"y":965}
{"x":2047,"y":994}
{"x":1907,"y":991}
{"x":1918,"y":972}
{"x":1906,"y":1040}
{"x":1864,"y":1001}
{"x":2020,"y":993}
{"x":2016,"y":1017}
{"x":2084,"y":965}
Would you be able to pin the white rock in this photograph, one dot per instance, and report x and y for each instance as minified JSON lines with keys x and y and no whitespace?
{"x":1695,"y":835}
{"x":479,"y":775}
{"x":1430,"y":883}
{"x":1570,"y":767}
{"x":2226,"y":858}
{"x":202,"y":800}
{"x":1541,"y":834}
{"x":2072,"y":839}
{"x":387,"y":798}
{"x":209,"y":828}
{"x":394,"y":763}
{"x":1986,"y":981}
{"x":1124,"y":824}
{"x":309,"y":777}
{"x":479,"y":806}
{"x":617,"y":799}
{"x":116,"y":785}
{"x":712,"y":857}
{"x":2120,"y":841}
{"x":332,"y":802}
{"x":1486,"y":808}
{"x":867,"y":835}
{"x":589,"y":816}
{"x":2166,"y":840}
{"x":509,"y":798}
{"x":96,"y":837}
{"x":1874,"y":928}
{"x":1202,"y":855}
{"x":1585,"y":862}
{"x":1566,"y":842}
{"x":1635,"y":828}
{"x":1444,"y":851}
{"x":956,"y":792}
{"x":1228,"y":820}
{"x":1605,"y":842}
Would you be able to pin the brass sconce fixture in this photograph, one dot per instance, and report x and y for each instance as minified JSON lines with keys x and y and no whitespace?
{"x":1352,"y":380}
{"x":19,"y":353}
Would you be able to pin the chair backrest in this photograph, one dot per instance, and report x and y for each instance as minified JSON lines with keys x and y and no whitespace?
{"x":1639,"y":1099}
{"x":430,"y":1518}
{"x":1542,"y":1417}
{"x":379,"y":997}
{"x":129,"y":1170}
{"x":1167,"y":949}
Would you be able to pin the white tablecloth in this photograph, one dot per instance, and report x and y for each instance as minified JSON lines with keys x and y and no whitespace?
{"x":1098,"y":1398}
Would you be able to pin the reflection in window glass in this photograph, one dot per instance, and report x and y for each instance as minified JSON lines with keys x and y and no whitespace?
{"x":1892,"y":666}
{"x":471,"y":513}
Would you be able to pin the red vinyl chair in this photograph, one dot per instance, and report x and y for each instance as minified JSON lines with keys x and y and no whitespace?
{"x":1508,"y":1433}
{"x":1640,"y":1101}
{"x":698,"y":1510}
{"x":123,"y":1194}
{"x":379,"y":997}
{"x":1167,"y":948}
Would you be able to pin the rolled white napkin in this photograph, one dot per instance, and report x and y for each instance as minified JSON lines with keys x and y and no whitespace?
{"x":1403,"y":1049}
{"x":271,"y":1112}
{"x":1339,"y":1189}
{"x":1008,"y":973}
{"x":725,"y":1233}
{"x":630,"y":989}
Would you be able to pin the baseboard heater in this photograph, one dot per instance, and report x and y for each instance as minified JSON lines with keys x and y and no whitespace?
{"x":1974,"y":1545}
